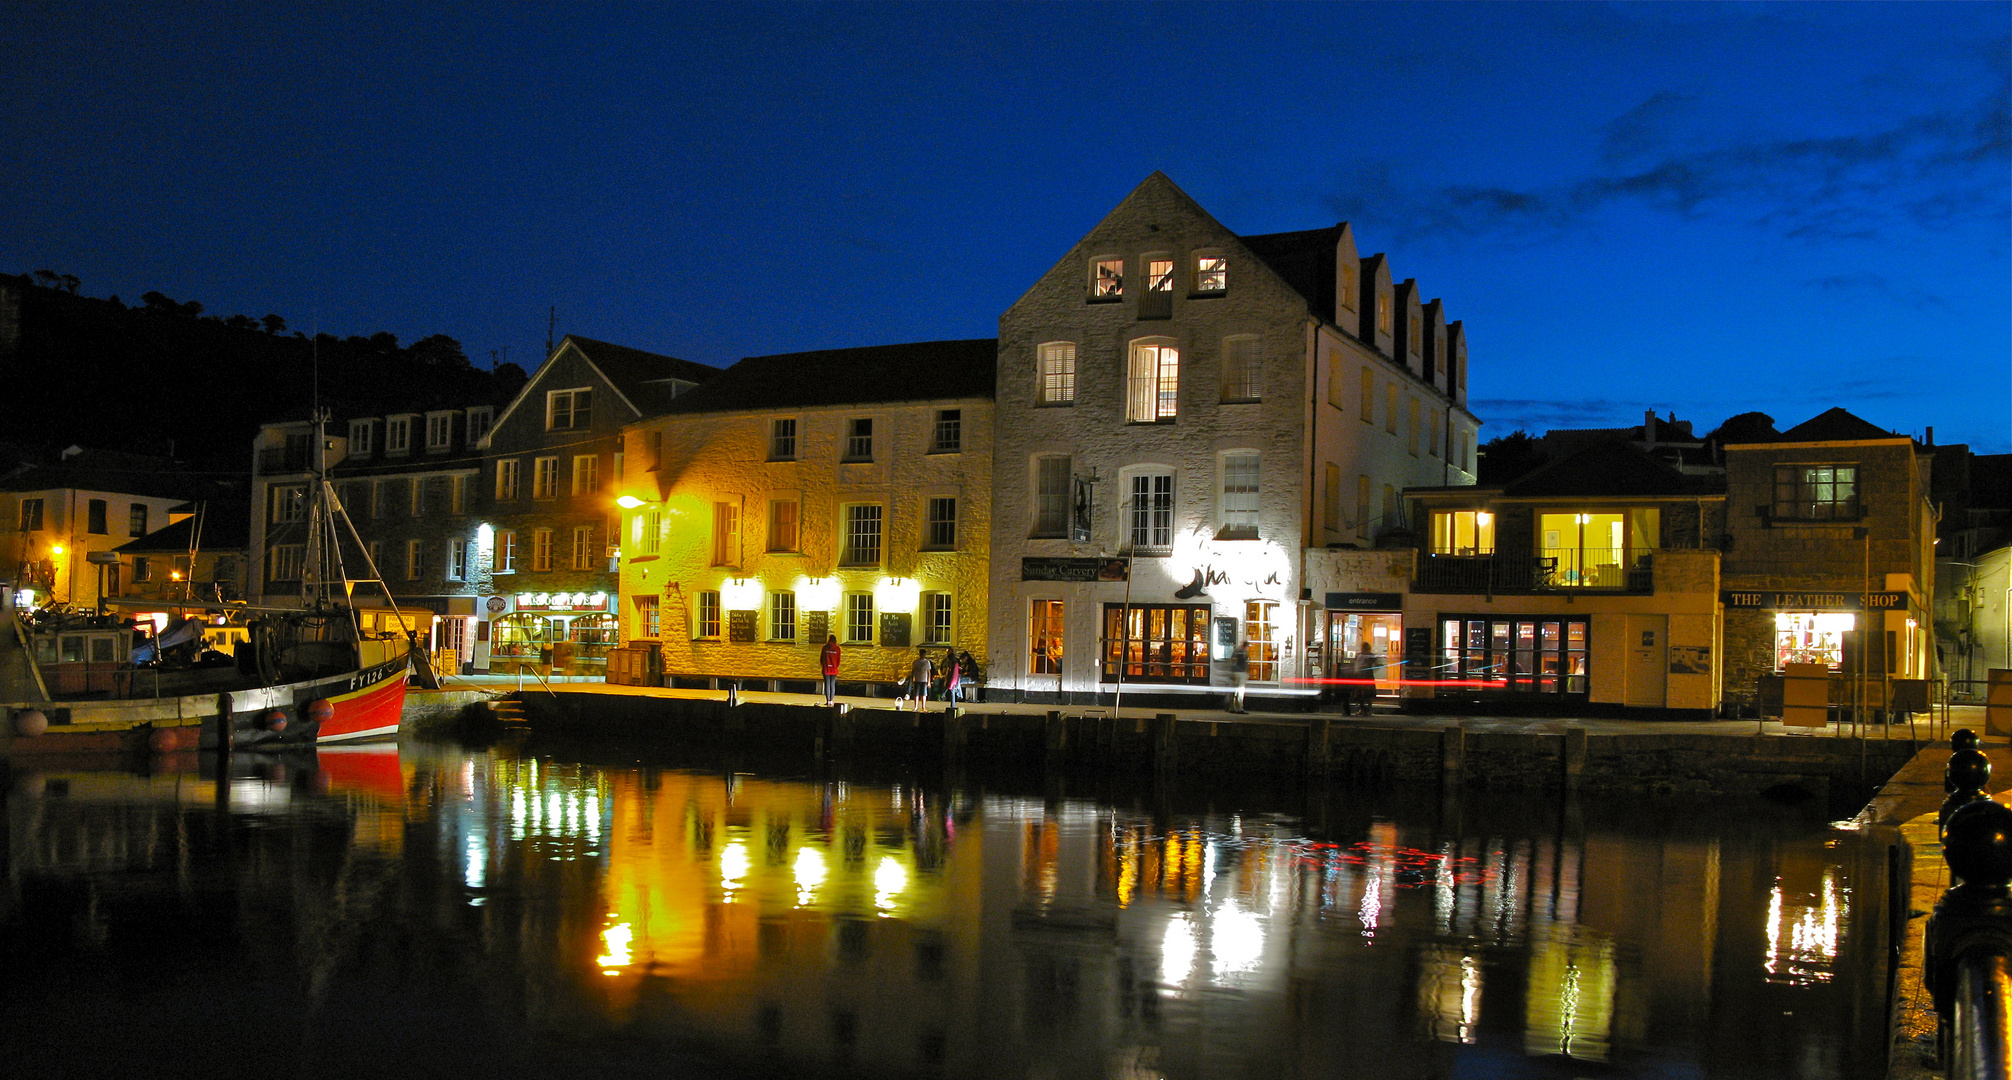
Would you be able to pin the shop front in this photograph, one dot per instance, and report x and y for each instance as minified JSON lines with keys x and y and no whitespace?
{"x":1852,"y":633}
{"x":1524,"y":656}
{"x":1362,"y":639}
{"x":552,"y":633}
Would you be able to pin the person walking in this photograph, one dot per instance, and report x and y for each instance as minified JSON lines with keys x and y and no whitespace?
{"x":919,"y":674}
{"x":1240,"y":672}
{"x":953,"y":681}
{"x":829,"y":661}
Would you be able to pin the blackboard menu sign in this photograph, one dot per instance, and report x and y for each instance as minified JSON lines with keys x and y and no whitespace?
{"x":816,"y":627}
{"x":1226,"y":635}
{"x":741,"y":625}
{"x":894,"y":627}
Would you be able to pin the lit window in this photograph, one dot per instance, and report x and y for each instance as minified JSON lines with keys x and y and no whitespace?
{"x":506,"y":479}
{"x":941,"y":531}
{"x":1383,"y":325}
{"x":782,"y":440}
{"x":646,"y":623}
{"x":541,"y":550}
{"x":1058,"y":373}
{"x":1152,"y":513}
{"x":1107,"y":279}
{"x":1051,"y":497}
{"x":1463,"y":532}
{"x":859,"y":439}
{"x":1261,"y":640}
{"x":1240,"y":496}
{"x":136,"y":519}
{"x":859,"y":618}
{"x":708,"y":622}
{"x":936,"y":609}
{"x":1243,"y":369}
{"x":1348,"y":272}
{"x":506,"y":551}
{"x":1153,"y":383}
{"x":726,"y":534}
{"x":586,"y":474}
{"x":862,"y":536}
{"x":1044,"y":638}
{"x":782,"y":616}
{"x":544,"y":477}
{"x":782,"y":530}
{"x":569,"y":409}
{"x":1212,"y":273}
{"x":1816,"y":492}
{"x":1160,"y":275}
{"x":1811,"y":638}
{"x":948,"y":437}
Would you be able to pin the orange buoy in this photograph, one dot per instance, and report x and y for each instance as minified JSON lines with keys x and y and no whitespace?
{"x":320,"y":710}
{"x":30,"y":723}
{"x":273,"y":721}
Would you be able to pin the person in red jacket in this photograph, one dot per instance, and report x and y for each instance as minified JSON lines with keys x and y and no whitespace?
{"x":830,"y":661}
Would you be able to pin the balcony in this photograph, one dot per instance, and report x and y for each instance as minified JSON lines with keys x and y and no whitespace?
{"x":1559,"y":571}
{"x":283,"y":460}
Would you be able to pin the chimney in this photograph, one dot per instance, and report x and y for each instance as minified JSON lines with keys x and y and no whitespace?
{"x":1931,"y":434}
{"x":1649,"y":428}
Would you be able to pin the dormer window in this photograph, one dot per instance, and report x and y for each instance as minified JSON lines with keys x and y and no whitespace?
{"x":362,"y":438}
{"x":479,"y":421}
{"x":1107,"y":279}
{"x":569,"y":409}
{"x":398,"y":435}
{"x":1212,"y":273}
{"x":439,"y":432}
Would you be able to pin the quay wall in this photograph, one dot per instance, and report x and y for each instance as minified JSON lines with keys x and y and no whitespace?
{"x":1165,"y":747}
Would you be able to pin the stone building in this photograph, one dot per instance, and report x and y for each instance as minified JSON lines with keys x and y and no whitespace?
{"x":1590,"y":584}
{"x":1184,"y":415}
{"x":62,"y":521}
{"x":1829,"y":545}
{"x":844,"y":493}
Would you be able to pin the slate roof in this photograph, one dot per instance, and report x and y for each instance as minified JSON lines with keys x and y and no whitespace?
{"x":919,"y":371}
{"x":644,"y":377}
{"x":1609,"y":468}
{"x":112,"y":472}
{"x":225,"y":528}
{"x":1305,"y":259}
{"x":1834,"y":425}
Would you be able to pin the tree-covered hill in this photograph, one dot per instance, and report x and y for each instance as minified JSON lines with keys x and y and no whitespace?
{"x":167,"y":377}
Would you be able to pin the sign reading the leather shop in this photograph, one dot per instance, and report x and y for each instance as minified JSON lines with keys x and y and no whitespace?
{"x":1782,"y":600}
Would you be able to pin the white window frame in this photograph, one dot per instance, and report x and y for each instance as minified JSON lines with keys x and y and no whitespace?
{"x":569,"y":409}
{"x":1243,"y":368}
{"x":397,"y":435}
{"x":862,"y":534}
{"x":1056,"y":373}
{"x":1241,"y":475}
{"x":860,"y":625}
{"x":481,"y":419}
{"x":858,"y":439}
{"x":1212,"y":272}
{"x":362,"y":441}
{"x":1152,"y":381}
{"x":545,"y":477}
{"x":541,"y":550}
{"x":947,"y":435}
{"x":586,"y":474}
{"x":1150,"y":501}
{"x":782,"y":439}
{"x":457,"y":560}
{"x":505,"y":561}
{"x":509,"y":472}
{"x":938,"y":612}
{"x":439,"y":431}
{"x":939,"y":529}
{"x":583,"y":547}
{"x":782,"y":615}
{"x":706,"y":615}
{"x":1107,"y":278}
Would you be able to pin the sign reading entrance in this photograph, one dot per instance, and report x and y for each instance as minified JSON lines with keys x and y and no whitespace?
{"x":1815,"y":601}
{"x":1365,"y":601}
{"x":1070,"y":568}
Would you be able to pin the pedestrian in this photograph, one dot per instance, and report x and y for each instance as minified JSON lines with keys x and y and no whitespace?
{"x":967,"y":677}
{"x":919,"y":674}
{"x":953,"y":682}
{"x":1240,"y":673}
{"x":829,"y":661}
{"x":1364,"y":687}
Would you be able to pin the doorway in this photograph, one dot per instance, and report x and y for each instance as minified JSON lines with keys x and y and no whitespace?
{"x":1366,"y":644}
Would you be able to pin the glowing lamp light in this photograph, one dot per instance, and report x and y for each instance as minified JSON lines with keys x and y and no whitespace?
{"x":1483,"y":517}
{"x":888,"y":881}
{"x":817,"y":594}
{"x":628,"y":502}
{"x":897,"y":594}
{"x":741,"y":594}
{"x":174,"y":575}
{"x":56,"y":549}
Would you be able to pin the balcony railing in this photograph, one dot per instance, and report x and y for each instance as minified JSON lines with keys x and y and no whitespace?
{"x":1499,"y":573}
{"x":288,"y":460}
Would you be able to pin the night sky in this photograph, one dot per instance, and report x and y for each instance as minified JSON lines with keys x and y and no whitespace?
{"x":1696,"y":207}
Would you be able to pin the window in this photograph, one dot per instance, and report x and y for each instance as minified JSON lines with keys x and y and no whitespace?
{"x":429,"y":493}
{"x":941,"y":527}
{"x":859,"y":439}
{"x":415,"y":560}
{"x":439,"y":431}
{"x":31,"y":515}
{"x":360,"y":432}
{"x":506,"y":479}
{"x":1348,"y":272}
{"x":936,"y":611}
{"x":1058,"y":373}
{"x":948,"y":437}
{"x":859,"y":618}
{"x":1152,"y":514}
{"x":457,"y":494}
{"x":1243,"y":369}
{"x":1368,"y":396}
{"x":1107,"y":279}
{"x":782,"y":440}
{"x":1330,"y":510}
{"x":782,"y":519}
{"x":289,"y":503}
{"x":143,"y":568}
{"x":1390,"y":407}
{"x":541,"y":550}
{"x":136,"y":519}
{"x":1383,"y":325}
{"x":1414,"y":427}
{"x":1051,"y":496}
{"x":1802,"y":637}
{"x":567,"y":410}
{"x":1212,"y":273}
{"x":1814,"y":492}
{"x":619,"y":458}
{"x":649,"y":530}
{"x":457,"y":560}
{"x":284,"y":562}
{"x":506,"y":551}
{"x":1239,"y":497}
{"x":646,"y":622}
{"x":1411,"y":342}
{"x":479,"y":422}
{"x":862,"y":536}
{"x":726,"y":534}
{"x":1584,"y":548}
{"x":374,"y":551}
{"x":398,"y":435}
{"x":1362,"y":505}
{"x":1392,"y":518}
{"x":1158,"y":302}
{"x":782,"y":616}
{"x":1162,"y":643}
{"x":1153,"y":382}
{"x":1463,"y":532}
{"x":95,"y":516}
{"x":583,"y":547}
{"x":1044,"y":638}
{"x":1261,"y":640}
{"x":1432,"y":433}
{"x":586,"y":474}
{"x":544,"y":477}
{"x":708,"y":623}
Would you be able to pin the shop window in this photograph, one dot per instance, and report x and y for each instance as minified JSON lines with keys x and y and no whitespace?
{"x":1261,"y":640}
{"x":1816,"y":492}
{"x":1811,"y":638}
{"x":1514,"y":655}
{"x":1463,"y":532}
{"x":1160,"y":643}
{"x":522,"y":637}
{"x":1044,"y":638}
{"x":592,"y":636}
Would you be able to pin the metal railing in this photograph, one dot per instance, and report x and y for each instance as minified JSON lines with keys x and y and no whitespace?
{"x":1513,"y":574}
{"x":1968,"y":941}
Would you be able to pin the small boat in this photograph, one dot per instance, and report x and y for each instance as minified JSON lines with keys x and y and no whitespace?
{"x":296,"y":676}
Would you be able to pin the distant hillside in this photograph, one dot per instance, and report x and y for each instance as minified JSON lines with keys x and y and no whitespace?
{"x":96,"y":372}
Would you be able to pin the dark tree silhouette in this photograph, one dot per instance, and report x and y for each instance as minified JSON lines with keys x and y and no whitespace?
{"x":1506,"y":457}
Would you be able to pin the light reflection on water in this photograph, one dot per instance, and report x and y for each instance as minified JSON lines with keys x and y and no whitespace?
{"x":897,"y":929}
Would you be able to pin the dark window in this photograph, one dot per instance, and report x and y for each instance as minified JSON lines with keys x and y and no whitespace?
{"x":782,"y":441}
{"x":859,"y":440}
{"x":942,"y":524}
{"x":31,"y":515}
{"x":949,"y":434}
{"x":96,"y":517}
{"x":136,"y":520}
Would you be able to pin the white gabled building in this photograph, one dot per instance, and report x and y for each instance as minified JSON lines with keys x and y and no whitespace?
{"x":1207,"y":414}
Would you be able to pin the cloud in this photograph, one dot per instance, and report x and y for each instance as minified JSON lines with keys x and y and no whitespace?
{"x":1867,"y":282}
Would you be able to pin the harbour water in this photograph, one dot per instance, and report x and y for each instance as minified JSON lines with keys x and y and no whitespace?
{"x":449,"y":911}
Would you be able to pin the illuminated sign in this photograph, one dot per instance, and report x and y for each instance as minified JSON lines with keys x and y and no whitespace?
{"x":1815,"y":601}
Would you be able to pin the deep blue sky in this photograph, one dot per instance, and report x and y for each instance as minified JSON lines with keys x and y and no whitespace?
{"x":1705,"y":208}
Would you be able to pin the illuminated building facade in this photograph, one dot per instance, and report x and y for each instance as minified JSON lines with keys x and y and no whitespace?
{"x":61,"y":523}
{"x":802,"y":496}
{"x":1184,"y":415}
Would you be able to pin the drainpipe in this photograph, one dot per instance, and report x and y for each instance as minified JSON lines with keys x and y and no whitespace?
{"x":1313,"y":469}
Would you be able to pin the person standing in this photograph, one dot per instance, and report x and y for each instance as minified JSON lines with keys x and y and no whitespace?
{"x":829,"y":661}
{"x":919,"y":674}
{"x":953,"y":681}
{"x":967,"y":677}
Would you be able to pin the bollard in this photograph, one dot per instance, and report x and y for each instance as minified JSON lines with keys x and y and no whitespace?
{"x":1967,"y":942}
{"x":1964,"y":777}
{"x":1166,"y":746}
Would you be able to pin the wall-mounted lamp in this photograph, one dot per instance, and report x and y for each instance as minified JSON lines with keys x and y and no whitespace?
{"x":628,"y":502}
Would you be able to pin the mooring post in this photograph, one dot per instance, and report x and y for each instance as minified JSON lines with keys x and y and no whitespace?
{"x":1166,"y":746}
{"x":1452,"y":756}
{"x":954,"y":737}
{"x":1318,"y":760}
{"x":1056,"y":738}
{"x":1574,"y":757}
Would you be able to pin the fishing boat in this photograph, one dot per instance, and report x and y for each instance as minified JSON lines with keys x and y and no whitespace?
{"x":293,"y":676}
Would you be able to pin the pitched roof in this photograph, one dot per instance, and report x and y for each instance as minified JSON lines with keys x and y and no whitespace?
{"x":1609,"y":468}
{"x":1305,"y":259}
{"x":226,"y":527}
{"x":113,"y":472}
{"x":1834,"y":425}
{"x":919,"y":371}
{"x":645,"y":378}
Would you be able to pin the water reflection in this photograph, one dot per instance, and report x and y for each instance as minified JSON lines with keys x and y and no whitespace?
{"x":909,"y":929}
